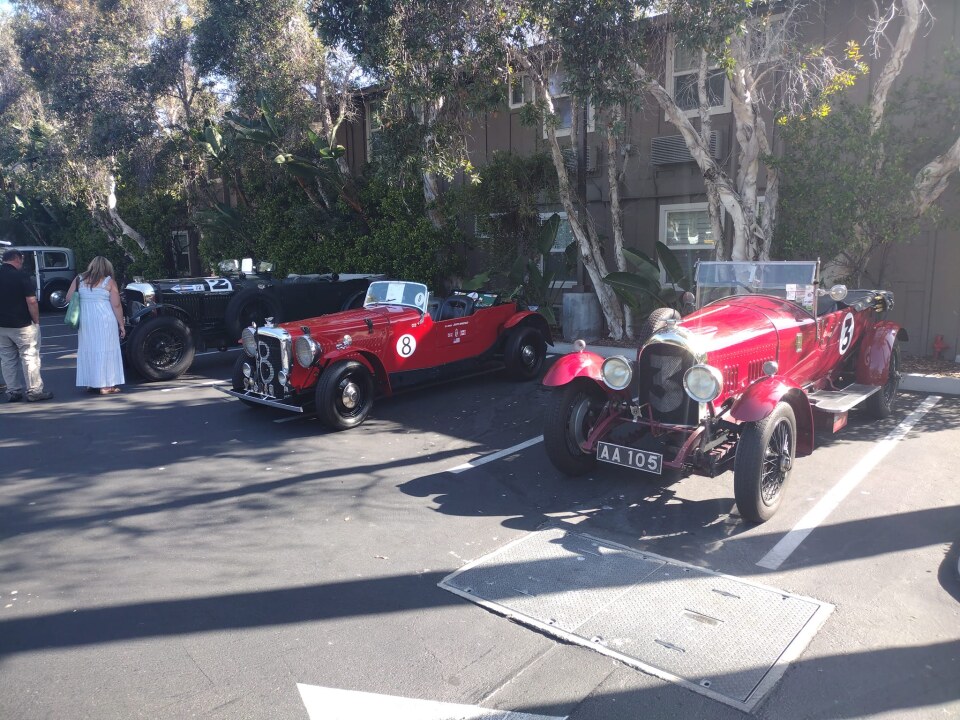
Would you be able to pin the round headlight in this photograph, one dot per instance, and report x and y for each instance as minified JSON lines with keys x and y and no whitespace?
{"x":617,"y":372}
{"x":838,"y":292}
{"x":703,"y":383}
{"x":249,"y":340}
{"x":247,"y":370}
{"x":306,"y":349}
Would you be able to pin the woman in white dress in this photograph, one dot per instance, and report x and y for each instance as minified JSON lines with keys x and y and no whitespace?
{"x":99,"y":362}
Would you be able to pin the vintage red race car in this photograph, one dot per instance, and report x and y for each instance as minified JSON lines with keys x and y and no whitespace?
{"x":766,"y":362}
{"x":401,"y":337}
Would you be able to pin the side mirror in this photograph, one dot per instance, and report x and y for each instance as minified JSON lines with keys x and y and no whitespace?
{"x":687,"y":302}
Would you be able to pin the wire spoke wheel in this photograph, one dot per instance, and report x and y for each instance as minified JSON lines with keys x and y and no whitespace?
{"x":764,"y":459}
{"x":777,"y":461}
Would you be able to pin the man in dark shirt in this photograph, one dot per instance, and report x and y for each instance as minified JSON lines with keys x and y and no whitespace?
{"x":19,"y":331}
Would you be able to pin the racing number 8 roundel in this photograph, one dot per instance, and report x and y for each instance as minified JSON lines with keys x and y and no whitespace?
{"x":406,"y":345}
{"x":846,"y":333}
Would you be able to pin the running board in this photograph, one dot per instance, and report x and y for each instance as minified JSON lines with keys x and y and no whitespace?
{"x":839,"y":401}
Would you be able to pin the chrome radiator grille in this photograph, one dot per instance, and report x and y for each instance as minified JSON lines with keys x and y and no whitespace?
{"x":271,"y":361}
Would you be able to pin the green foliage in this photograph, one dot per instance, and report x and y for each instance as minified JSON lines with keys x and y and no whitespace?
{"x":641,"y":289}
{"x":846,"y":191}
{"x":506,"y":203}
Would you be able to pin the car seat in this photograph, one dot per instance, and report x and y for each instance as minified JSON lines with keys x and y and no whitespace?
{"x":433,"y":307}
{"x":456,"y":306}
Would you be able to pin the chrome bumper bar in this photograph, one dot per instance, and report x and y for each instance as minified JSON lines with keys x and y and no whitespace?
{"x":269,"y":402}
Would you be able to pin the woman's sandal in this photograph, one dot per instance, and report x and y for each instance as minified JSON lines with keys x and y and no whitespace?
{"x":109,"y":390}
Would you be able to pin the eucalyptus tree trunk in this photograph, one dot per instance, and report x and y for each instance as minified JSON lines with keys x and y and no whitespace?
{"x":588,"y":241}
{"x":431,"y":190}
{"x":714,"y":210}
{"x":727,"y":194}
{"x":614,"y":178}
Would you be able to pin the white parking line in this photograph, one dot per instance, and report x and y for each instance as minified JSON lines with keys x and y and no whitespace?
{"x":791,"y":541}
{"x":495,"y":456}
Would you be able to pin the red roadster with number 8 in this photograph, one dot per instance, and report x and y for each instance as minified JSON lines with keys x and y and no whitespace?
{"x":401,"y":337}
{"x":768,"y":361}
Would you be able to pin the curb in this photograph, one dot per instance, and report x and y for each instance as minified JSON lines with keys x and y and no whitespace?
{"x":911,"y":382}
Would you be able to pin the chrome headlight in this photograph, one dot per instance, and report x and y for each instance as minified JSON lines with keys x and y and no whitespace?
{"x":703,"y":383}
{"x":247,"y":370}
{"x":617,"y":372}
{"x":249,"y":340}
{"x":306,"y":349}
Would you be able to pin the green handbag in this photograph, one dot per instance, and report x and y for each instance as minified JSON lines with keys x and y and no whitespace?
{"x":72,"y":318}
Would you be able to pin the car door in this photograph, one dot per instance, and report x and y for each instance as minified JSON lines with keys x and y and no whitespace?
{"x":31,"y":267}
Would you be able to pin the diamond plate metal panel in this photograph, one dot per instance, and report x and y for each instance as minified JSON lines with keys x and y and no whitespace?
{"x":723,"y":637}
{"x":562,"y":580}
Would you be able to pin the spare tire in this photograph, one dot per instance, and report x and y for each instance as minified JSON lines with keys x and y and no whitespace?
{"x":251,"y":305}
{"x":656,"y":320}
{"x":161,"y":348}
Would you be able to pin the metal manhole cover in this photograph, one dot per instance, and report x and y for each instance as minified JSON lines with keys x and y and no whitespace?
{"x":723,"y":637}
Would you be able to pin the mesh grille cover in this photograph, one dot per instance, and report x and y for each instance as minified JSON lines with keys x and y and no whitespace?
{"x":660,"y":372}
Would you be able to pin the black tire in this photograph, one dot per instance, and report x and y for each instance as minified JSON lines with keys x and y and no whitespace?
{"x":236,"y":380}
{"x":251,"y":305}
{"x":881,"y":403}
{"x":655,"y":320}
{"x":355,"y":301}
{"x":55,"y":296}
{"x":161,"y":348}
{"x":344,"y":395}
{"x":571,"y":413}
{"x":765,"y":455}
{"x":524,"y":352}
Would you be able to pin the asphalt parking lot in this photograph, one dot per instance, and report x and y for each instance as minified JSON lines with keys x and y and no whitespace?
{"x":170,"y":553}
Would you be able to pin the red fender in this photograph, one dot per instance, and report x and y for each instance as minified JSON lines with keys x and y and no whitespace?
{"x":528,"y":317}
{"x":370,"y":360}
{"x":574,"y":365}
{"x":876,"y":347}
{"x":762,"y":397}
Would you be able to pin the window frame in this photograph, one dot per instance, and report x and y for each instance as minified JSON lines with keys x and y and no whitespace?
{"x":664,"y":210}
{"x":671,"y":75}
{"x":559,"y":94}
{"x":368,"y":128}
{"x":526,"y":89}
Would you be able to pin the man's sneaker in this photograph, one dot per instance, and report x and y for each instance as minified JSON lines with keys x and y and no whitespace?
{"x":11,"y":397}
{"x":38,"y":396}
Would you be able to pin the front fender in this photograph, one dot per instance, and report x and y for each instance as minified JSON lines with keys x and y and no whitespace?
{"x":158,"y":310}
{"x":534,"y":319}
{"x":873,"y":362}
{"x":759,"y":400}
{"x":368,"y":359}
{"x":572,"y":366}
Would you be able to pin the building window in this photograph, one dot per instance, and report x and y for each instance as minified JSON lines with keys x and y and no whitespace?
{"x":685,"y":229}
{"x":683,"y":68}
{"x":521,"y":91}
{"x":557,"y":262}
{"x":563,"y":107}
{"x":373,"y":126}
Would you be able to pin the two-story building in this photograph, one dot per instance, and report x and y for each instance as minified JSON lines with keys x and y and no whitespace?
{"x":663,"y":195}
